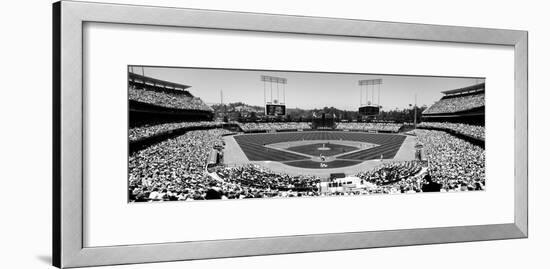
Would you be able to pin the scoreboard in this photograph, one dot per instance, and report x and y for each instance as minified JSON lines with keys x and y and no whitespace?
{"x":275,"y":110}
{"x":369,"y":110}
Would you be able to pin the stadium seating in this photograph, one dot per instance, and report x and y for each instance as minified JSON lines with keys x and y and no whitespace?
{"x":169,"y":99}
{"x":274,"y":126}
{"x":395,"y":177}
{"x":456,"y":104}
{"x":175,"y":170}
{"x":174,"y":167}
{"x":146,"y":131}
{"x":370,"y":126}
{"x":465,"y":129}
{"x":454,"y":163}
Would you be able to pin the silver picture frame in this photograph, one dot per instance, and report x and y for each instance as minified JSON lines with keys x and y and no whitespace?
{"x":68,"y":230}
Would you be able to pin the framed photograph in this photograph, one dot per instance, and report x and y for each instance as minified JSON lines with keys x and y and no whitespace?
{"x":184,"y":134}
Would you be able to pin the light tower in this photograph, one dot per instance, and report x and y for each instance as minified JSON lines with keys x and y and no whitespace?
{"x":273,"y":105}
{"x":368,"y":106}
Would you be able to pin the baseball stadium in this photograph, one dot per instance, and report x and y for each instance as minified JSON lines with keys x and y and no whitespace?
{"x":206,"y":134}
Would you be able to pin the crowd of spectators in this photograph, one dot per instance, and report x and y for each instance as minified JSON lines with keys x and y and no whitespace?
{"x":370,"y":126}
{"x":456,"y":104}
{"x":250,"y":181}
{"x":395,"y":177}
{"x":175,"y":168}
{"x":141,"y":132}
{"x":470,"y":130}
{"x":391,"y":172}
{"x":274,"y":126}
{"x":453,"y":163}
{"x":167,"y":99}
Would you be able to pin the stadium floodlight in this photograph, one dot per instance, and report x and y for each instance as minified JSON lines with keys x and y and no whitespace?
{"x":274,"y":107}
{"x":370,"y":82}
{"x":369,"y":107}
{"x":273,"y":79}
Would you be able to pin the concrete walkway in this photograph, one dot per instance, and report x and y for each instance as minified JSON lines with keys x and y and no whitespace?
{"x":406,"y":152}
{"x":232,"y":153}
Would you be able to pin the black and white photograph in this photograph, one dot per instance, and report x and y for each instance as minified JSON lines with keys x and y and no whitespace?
{"x":146,"y":134}
{"x":223,"y":134}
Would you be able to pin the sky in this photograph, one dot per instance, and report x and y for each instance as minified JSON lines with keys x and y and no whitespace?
{"x":308,"y":90}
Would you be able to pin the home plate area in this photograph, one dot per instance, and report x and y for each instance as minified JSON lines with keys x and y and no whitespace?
{"x":320,"y":149}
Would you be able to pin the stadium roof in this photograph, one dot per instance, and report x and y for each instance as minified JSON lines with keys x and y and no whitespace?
{"x":156,"y":82}
{"x":473,"y":88}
